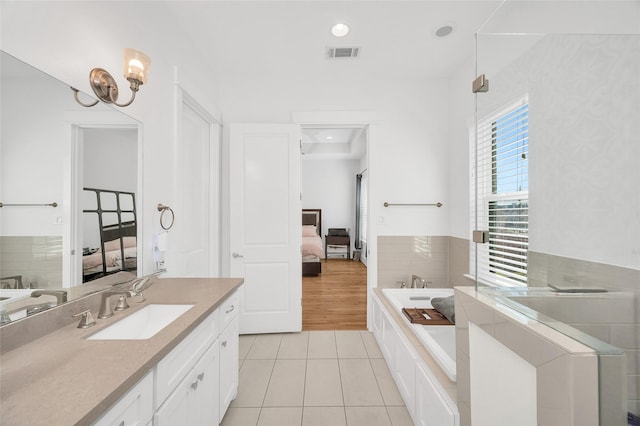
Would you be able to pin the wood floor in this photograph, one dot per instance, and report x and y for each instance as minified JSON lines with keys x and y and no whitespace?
{"x":337,"y":298}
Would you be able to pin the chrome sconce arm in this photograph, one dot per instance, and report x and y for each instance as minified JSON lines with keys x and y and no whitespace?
{"x":105,"y":87}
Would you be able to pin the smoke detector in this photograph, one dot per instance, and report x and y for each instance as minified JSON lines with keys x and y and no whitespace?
{"x":342,"y":52}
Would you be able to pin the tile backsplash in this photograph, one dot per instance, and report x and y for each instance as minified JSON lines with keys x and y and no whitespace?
{"x":441,"y":260}
{"x":37,"y":259}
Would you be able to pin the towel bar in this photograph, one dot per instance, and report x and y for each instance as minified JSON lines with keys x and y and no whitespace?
{"x":413,"y":204}
{"x":54,"y":204}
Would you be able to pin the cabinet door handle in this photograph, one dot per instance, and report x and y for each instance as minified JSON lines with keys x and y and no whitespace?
{"x":194,"y":385}
{"x":237,"y":255}
{"x":224,"y":344}
{"x":231,"y":308}
{"x":201,"y":376}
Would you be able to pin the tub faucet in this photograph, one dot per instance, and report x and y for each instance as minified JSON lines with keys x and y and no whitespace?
{"x":419,"y":282}
{"x":60,"y":295}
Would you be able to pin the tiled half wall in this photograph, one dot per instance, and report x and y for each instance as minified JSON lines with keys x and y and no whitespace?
{"x":37,"y":259}
{"x":441,"y":260}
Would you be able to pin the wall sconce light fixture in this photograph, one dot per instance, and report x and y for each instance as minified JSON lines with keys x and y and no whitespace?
{"x":136,"y":70}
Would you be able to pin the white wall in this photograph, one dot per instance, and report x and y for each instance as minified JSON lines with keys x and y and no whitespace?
{"x":584,"y":165}
{"x":407,"y":146}
{"x":111,"y":159}
{"x":330,"y":185}
{"x":32,"y":155}
{"x":461,"y":121}
{"x":68,"y":39}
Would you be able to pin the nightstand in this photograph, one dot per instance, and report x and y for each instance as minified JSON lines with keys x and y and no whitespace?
{"x":337,"y":240}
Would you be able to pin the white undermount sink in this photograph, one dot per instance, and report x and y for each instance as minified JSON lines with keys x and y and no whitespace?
{"x":142,"y":324}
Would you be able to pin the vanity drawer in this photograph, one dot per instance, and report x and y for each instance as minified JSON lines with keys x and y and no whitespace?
{"x":134,"y":408}
{"x":175,"y":366}
{"x":228,"y":309}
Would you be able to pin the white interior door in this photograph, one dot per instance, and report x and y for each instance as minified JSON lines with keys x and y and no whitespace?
{"x":195,"y":234}
{"x":265,"y":225}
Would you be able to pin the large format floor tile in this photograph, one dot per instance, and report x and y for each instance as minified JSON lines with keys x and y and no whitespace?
{"x":286,"y":388}
{"x":315,"y":378}
{"x":280,"y":416}
{"x":265,"y":346}
{"x":323,"y":416}
{"x":350,"y":345}
{"x":367,"y":416}
{"x":294,"y":346}
{"x":359,"y":383}
{"x":322,"y":344}
{"x":254,"y":379}
{"x":323,"y":387}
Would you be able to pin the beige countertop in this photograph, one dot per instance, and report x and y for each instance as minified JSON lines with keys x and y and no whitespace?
{"x":64,"y":379}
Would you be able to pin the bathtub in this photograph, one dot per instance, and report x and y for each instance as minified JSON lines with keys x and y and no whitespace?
{"x":439,"y":340}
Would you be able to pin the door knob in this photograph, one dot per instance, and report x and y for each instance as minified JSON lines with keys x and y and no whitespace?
{"x":236,"y":255}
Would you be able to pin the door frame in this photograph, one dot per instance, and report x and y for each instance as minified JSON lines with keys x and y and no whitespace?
{"x":183,"y":97}
{"x":76,"y":121}
{"x":367,"y":119}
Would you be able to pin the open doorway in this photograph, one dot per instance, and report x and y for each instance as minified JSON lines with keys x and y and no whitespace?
{"x":334,"y":159}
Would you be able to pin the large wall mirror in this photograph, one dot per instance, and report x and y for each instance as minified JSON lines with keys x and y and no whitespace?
{"x":70,"y":184}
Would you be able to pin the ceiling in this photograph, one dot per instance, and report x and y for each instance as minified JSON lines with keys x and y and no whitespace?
{"x":397,"y":38}
{"x":328,"y":143}
{"x":257,"y":39}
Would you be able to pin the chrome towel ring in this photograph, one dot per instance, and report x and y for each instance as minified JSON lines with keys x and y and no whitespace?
{"x":163,"y":209}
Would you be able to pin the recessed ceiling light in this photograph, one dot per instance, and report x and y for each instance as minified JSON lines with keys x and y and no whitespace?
{"x":329,"y":137}
{"x":444,"y":30}
{"x":340,"y":30}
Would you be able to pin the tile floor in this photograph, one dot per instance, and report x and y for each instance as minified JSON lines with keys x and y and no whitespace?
{"x":315,"y":378}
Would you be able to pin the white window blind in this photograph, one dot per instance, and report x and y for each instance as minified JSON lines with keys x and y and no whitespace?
{"x":500,"y":200}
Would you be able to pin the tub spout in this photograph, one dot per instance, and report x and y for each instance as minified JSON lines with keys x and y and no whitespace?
{"x":419,"y":282}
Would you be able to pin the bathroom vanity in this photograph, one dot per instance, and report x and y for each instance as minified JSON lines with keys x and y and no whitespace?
{"x":188,"y":370}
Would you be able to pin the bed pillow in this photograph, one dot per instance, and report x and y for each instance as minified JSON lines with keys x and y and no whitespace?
{"x":309,"y":231}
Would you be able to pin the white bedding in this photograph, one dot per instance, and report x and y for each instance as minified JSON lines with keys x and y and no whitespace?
{"x":312,"y":246}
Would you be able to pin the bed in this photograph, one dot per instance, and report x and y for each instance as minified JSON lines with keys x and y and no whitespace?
{"x":312,"y":249}
{"x":110,"y":243}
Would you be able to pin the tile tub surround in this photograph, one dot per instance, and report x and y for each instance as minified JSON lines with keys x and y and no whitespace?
{"x":544,"y":269}
{"x":41,"y":256}
{"x":566,"y":370}
{"x":619,"y":327}
{"x":75,"y":380}
{"x":314,"y":378}
{"x":443,"y":260}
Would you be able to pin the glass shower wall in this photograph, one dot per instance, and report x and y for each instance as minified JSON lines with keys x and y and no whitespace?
{"x":556,"y":171}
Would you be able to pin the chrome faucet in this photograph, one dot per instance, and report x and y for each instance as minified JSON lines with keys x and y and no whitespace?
{"x":415,"y":280}
{"x":106,"y":311}
{"x":138,"y":285}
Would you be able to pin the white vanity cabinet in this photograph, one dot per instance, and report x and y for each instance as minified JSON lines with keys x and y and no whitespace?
{"x":193,"y":384}
{"x":194,"y":401}
{"x":135,"y":408}
{"x":426,"y":401}
{"x":229,"y":347}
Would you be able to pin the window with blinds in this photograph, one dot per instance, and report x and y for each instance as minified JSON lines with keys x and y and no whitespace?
{"x":500,"y":201}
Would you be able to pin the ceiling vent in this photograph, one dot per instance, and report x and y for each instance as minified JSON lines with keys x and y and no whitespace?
{"x":343,"y":52}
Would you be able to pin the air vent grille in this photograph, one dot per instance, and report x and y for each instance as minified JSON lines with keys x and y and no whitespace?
{"x":343,"y":52}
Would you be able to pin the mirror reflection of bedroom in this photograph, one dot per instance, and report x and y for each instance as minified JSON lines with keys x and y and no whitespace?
{"x":108,"y":201}
{"x":334,"y":221}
